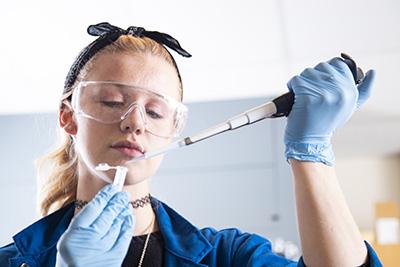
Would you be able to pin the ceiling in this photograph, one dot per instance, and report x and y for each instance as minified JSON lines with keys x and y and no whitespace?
{"x":240,"y":49}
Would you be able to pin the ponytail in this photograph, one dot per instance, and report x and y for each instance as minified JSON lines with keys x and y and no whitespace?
{"x":57,"y":176}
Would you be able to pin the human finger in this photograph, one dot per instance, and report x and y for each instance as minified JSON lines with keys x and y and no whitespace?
{"x":94,"y":208}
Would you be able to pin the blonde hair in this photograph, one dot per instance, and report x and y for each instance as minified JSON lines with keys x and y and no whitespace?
{"x":57,"y":170}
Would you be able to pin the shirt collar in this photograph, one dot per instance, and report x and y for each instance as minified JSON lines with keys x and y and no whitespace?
{"x":180,"y":236}
{"x":44,"y":233}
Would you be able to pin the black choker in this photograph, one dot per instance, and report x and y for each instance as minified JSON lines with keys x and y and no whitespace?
{"x":138,"y":203}
{"x":141,"y":202}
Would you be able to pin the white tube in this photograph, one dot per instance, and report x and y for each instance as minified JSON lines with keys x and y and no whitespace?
{"x":248,"y":117}
{"x":119,"y":178}
{"x":210,"y":132}
{"x":252,"y":115}
{"x":120,"y":174}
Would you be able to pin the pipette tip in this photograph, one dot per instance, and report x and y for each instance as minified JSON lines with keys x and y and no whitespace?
{"x":103,"y":167}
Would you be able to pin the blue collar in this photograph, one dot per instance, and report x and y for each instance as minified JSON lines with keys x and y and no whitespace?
{"x":44,"y":233}
{"x":181,"y":238}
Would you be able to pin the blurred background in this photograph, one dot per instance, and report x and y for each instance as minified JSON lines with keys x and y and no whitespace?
{"x":244,"y":52}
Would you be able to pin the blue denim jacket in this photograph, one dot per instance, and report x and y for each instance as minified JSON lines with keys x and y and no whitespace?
{"x":185,"y":245}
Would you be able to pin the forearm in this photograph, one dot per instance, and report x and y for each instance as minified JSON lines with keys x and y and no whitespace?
{"x":328,"y":232}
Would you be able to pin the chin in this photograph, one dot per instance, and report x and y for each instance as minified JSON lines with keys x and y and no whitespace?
{"x":138,"y":173}
{"x":135,"y":179}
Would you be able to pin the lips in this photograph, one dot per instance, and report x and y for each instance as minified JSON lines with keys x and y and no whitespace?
{"x":128,"y":148}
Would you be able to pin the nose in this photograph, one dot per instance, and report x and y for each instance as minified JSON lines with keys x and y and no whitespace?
{"x":134,"y":120}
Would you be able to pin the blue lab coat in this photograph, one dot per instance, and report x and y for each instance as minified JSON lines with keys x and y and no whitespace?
{"x":184,"y":244}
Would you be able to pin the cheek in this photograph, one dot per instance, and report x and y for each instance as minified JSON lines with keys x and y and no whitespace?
{"x":90,"y":138}
{"x":143,"y":170}
{"x":155,"y":164}
{"x":155,"y":143}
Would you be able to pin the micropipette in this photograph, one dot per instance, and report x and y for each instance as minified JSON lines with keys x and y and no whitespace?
{"x":278,"y":107}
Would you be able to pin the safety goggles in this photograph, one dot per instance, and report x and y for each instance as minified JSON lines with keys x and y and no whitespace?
{"x":111,"y":102}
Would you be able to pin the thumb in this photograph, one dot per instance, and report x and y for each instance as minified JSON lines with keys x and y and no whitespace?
{"x":365,"y":87}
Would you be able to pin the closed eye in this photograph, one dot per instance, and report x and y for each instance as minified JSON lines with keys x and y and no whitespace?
{"x":153,"y":114}
{"x":112,"y":104}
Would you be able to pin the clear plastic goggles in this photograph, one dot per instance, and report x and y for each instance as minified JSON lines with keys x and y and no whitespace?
{"x":111,"y":102}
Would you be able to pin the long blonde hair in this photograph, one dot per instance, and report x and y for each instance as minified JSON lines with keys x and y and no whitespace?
{"x":57,"y":170}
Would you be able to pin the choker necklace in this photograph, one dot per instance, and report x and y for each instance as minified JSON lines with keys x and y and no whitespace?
{"x":141,"y":202}
{"x":137,"y":203}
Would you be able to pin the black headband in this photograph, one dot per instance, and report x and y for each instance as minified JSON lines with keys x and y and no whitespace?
{"x":108,"y":34}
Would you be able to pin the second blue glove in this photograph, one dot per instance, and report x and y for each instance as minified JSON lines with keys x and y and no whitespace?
{"x":325,"y":98}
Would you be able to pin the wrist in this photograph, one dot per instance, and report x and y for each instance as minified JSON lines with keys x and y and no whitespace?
{"x":313,"y":152}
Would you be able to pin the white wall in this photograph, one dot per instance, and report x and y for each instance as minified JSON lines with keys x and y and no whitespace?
{"x":240,"y":48}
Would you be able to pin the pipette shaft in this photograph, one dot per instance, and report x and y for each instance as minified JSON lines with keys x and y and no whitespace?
{"x":248,"y":117}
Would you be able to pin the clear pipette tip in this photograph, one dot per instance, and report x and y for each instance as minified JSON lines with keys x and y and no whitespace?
{"x":152,"y":154}
{"x":104,"y":167}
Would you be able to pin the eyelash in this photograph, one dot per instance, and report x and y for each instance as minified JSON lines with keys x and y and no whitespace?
{"x":112,"y":104}
{"x":153,"y":114}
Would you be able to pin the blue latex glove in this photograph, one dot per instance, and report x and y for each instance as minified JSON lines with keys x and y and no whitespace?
{"x":100,"y":234}
{"x":325,"y":98}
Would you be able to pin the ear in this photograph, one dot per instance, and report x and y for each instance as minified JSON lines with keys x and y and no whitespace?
{"x":66,"y":119}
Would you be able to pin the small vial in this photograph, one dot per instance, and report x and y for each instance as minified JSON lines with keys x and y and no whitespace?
{"x":119,"y":178}
{"x":120,"y":174}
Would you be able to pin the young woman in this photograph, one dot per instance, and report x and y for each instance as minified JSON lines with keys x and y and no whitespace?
{"x":122,"y":98}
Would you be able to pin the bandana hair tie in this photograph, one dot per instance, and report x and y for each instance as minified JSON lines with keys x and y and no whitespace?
{"x":108,"y":34}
